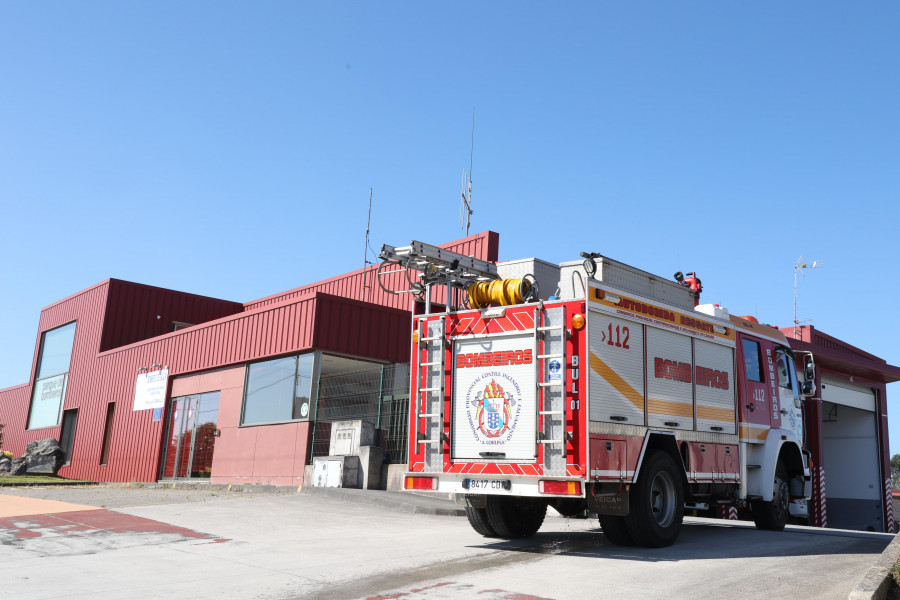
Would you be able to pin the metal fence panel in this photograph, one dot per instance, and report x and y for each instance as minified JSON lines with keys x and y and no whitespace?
{"x":378,"y":395}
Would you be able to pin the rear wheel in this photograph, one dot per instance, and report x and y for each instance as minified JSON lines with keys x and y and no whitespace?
{"x":773,"y":516}
{"x":657,"y":503}
{"x":615,"y":530}
{"x":513,"y":517}
{"x":478,"y":519}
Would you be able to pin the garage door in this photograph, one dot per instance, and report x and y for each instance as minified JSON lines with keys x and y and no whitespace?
{"x":848,"y":394}
{"x":852,"y":457}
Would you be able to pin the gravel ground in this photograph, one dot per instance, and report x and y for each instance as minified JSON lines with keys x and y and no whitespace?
{"x":120,"y":496}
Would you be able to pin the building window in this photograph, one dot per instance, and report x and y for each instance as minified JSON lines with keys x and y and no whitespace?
{"x":752,"y":360}
{"x":107,"y":433}
{"x":278,"y":390}
{"x":51,"y":377}
{"x":179,"y":325}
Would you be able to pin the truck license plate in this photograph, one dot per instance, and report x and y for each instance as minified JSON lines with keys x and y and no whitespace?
{"x":486,"y":484}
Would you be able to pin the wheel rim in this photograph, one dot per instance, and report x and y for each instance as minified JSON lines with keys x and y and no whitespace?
{"x":780,"y":501}
{"x":662,"y":499}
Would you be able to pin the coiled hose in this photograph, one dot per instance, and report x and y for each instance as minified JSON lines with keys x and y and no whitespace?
{"x":503,"y":292}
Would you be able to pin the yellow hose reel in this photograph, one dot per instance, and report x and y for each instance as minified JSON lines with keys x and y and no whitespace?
{"x":502,"y":292}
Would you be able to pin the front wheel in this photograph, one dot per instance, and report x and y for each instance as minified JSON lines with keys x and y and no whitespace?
{"x":773,"y":516}
{"x":616,"y":530}
{"x":657,"y":503}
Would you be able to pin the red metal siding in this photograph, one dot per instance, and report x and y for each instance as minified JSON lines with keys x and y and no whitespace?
{"x":132,"y":309}
{"x":483,"y":246}
{"x":343,"y":326}
{"x":357,"y":328}
{"x":13,"y":413}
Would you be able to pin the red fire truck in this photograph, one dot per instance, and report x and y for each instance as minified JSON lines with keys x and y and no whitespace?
{"x":619,"y":395}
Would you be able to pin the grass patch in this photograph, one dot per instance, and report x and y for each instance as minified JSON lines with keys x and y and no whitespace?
{"x":895,"y":572}
{"x":38,"y":480}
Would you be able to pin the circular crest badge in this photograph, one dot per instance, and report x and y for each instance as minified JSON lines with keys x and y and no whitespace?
{"x":493,"y":411}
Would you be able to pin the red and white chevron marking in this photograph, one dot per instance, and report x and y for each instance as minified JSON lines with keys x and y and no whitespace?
{"x":819,"y":509}
{"x":473,"y":324}
{"x":728,"y":512}
{"x":889,"y":505}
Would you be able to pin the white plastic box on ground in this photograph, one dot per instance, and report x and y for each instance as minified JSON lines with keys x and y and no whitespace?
{"x":336,"y":471}
{"x":348,"y":436}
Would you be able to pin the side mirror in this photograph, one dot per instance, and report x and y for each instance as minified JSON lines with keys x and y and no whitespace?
{"x":809,"y":368}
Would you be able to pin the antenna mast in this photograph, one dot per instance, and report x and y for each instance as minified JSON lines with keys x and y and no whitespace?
{"x":798,"y":268}
{"x":465,"y":206}
{"x":366,"y":250}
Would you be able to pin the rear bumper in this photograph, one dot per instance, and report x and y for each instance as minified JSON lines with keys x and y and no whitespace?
{"x":497,"y":485}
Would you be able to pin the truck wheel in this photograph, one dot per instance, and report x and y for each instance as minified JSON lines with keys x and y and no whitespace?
{"x":773,"y":515}
{"x":478,"y":519}
{"x":657,"y":503}
{"x":515,"y":517}
{"x":615,"y":530}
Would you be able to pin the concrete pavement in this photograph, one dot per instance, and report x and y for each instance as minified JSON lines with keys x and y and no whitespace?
{"x":211,"y":543}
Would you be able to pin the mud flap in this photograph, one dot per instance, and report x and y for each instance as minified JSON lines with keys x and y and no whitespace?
{"x":471,"y":500}
{"x":609,"y":499}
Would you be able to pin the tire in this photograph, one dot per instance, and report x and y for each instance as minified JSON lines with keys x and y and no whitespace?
{"x":515,"y":517}
{"x":478,"y":519}
{"x":615,"y":530}
{"x":773,"y":516}
{"x":657,"y":503}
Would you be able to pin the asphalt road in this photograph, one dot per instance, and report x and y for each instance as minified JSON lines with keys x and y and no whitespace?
{"x":173,"y":544}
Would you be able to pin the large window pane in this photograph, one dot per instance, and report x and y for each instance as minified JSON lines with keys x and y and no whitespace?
{"x":303,"y":390}
{"x":47,"y":402}
{"x":56,"y":351}
{"x":270,"y":391}
{"x":52,"y":375}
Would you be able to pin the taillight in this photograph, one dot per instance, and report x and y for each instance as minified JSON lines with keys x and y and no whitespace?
{"x":568,"y":488}
{"x":421,"y":483}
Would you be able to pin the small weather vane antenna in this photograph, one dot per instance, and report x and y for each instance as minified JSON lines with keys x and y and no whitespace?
{"x":366,"y":261}
{"x":465,"y":205}
{"x":798,"y":268}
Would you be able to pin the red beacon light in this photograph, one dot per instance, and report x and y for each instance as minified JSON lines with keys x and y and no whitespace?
{"x":690,"y":281}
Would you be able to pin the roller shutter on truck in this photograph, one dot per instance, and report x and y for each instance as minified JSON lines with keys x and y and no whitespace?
{"x":660,"y":367}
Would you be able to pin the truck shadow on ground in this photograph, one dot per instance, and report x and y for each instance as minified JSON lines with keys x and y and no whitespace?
{"x":703,"y":541}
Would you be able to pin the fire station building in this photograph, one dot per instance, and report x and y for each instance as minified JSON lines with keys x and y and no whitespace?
{"x":140,"y":383}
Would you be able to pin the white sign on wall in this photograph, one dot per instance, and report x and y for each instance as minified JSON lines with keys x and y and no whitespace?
{"x":150,"y":390}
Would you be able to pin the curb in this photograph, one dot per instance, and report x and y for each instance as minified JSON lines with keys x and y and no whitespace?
{"x":47,"y":484}
{"x":875,"y":584}
{"x":398,"y":501}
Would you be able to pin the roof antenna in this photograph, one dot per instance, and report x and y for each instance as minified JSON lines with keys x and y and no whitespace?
{"x":366,"y":261}
{"x":798,"y":268}
{"x":465,"y":205}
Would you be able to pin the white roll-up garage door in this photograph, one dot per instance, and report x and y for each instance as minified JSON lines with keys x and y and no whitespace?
{"x":852,"y":457}
{"x":848,"y":394}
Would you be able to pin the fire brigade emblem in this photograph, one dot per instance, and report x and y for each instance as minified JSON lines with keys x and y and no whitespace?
{"x":493,"y":410}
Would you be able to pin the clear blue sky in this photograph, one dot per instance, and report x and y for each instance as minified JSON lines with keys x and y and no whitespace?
{"x":227,"y":149}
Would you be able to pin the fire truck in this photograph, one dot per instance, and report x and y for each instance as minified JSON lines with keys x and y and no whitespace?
{"x":594,"y":387}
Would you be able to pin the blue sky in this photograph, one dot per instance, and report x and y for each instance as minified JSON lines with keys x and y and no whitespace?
{"x":228,"y":149}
